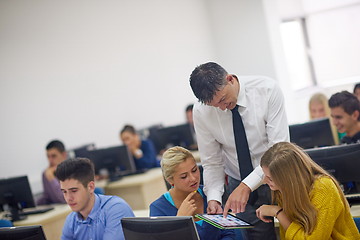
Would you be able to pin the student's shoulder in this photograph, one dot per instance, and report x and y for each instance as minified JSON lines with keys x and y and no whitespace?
{"x":324,"y":187}
{"x":107,"y":201}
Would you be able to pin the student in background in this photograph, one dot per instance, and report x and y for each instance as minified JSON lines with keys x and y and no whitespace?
{"x":55,"y":152}
{"x":319,"y":108}
{"x":143,"y":150}
{"x":94,"y":216}
{"x":309,"y":202}
{"x":357,"y":91}
{"x":186,"y":197}
{"x":345,"y":112}
{"x":190,"y":120}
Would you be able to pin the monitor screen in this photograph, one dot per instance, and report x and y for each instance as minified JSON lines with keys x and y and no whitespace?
{"x":179,"y":135}
{"x":159,"y":228}
{"x":342,"y":161}
{"x":82,"y":151}
{"x":15,"y":193}
{"x":116,"y":160}
{"x":24,"y":232}
{"x":316,"y":133}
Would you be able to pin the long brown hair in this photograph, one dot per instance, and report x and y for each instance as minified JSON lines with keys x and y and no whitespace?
{"x":294,"y":172}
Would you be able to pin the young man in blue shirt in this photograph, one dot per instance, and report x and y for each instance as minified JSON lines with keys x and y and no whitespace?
{"x":94,"y":216}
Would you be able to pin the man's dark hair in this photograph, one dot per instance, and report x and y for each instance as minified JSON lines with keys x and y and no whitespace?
{"x":128,"y":128}
{"x":189,"y":107}
{"x":57,"y":145}
{"x":356,"y":87}
{"x":206,"y":80}
{"x":80,"y":169}
{"x":346,"y":101}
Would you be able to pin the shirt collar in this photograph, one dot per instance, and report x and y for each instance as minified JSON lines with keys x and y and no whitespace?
{"x":93,"y":212}
{"x":241,"y":101}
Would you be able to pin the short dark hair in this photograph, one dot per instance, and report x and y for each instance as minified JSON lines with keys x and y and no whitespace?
{"x":206,"y":80}
{"x":81,"y":169}
{"x":189,"y":107}
{"x":356,"y":87}
{"x":128,"y":128}
{"x":57,"y":145}
{"x":346,"y":101}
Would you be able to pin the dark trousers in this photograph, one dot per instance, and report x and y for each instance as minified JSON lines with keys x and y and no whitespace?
{"x":262,"y":230}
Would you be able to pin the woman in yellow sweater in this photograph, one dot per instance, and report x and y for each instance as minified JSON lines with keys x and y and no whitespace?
{"x":310,"y":202}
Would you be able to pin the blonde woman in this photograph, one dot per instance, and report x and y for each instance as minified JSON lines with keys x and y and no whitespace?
{"x":319,"y":108}
{"x":186,"y":197}
{"x":310,"y":202}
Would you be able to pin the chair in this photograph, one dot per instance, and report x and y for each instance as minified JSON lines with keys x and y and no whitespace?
{"x":357,"y":222}
{"x":6,"y":223}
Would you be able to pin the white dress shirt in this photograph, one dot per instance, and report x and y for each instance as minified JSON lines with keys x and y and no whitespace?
{"x":261,"y":106}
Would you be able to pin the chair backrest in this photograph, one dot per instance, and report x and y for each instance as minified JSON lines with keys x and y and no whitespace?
{"x":5,"y":223}
{"x":357,"y":222}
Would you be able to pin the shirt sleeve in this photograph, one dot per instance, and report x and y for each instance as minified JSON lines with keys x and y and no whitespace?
{"x":277,"y":127}
{"x":211,"y":159}
{"x":115,"y":213}
{"x":148,"y":160}
{"x":327,"y":201}
{"x":67,"y":231}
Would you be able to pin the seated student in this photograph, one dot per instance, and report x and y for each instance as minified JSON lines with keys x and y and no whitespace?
{"x":94,"y":216}
{"x":345,"y":112}
{"x":190,"y":120}
{"x":55,"y":151}
{"x":319,"y":108}
{"x":186,"y":197}
{"x":143,"y":150}
{"x":357,"y":91}
{"x":310,"y":202}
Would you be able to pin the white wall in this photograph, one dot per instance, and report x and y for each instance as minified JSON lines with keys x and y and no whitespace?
{"x":79,"y":70}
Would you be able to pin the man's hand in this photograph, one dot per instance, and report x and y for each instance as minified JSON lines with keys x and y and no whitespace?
{"x":49,"y":173}
{"x":214,"y":207}
{"x":237,"y":199}
{"x":187,"y":207}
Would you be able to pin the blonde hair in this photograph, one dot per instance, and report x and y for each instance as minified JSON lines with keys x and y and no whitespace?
{"x":294,"y":172}
{"x":322,"y":99}
{"x":172,"y":158}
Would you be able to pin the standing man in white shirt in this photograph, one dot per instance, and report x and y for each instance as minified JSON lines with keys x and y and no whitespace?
{"x":261,"y":107}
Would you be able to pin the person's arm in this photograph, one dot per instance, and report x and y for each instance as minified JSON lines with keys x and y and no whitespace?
{"x":114,"y":214}
{"x":327,"y":201}
{"x":211,"y":160}
{"x":148,"y":158}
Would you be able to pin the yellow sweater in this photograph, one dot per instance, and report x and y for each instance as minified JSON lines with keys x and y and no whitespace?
{"x":333,"y":220}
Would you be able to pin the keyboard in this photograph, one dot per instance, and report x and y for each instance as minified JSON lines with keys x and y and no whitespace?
{"x":353,"y":198}
{"x":37,"y":210}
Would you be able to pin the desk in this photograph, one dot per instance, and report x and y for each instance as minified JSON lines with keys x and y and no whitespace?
{"x":51,"y":221}
{"x":139,"y":190}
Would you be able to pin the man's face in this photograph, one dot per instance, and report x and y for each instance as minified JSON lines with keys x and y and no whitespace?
{"x":343,"y":121}
{"x":357,"y":93}
{"x":226,"y":98}
{"x":76,"y":195}
{"x":55,"y":157}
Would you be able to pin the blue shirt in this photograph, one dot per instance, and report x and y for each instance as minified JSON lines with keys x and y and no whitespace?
{"x":148,"y":160}
{"x":103,"y":221}
{"x":164,"y":206}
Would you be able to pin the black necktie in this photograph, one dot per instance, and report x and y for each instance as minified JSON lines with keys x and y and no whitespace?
{"x":242,"y":147}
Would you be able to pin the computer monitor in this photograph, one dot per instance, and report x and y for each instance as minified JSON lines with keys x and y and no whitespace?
{"x":159,"y":228}
{"x":179,"y":135}
{"x":341,"y":161}
{"x":23,"y":232}
{"x":316,"y":133}
{"x":82,"y":151}
{"x":151,"y":133}
{"x":116,"y":160}
{"x":15,"y":194}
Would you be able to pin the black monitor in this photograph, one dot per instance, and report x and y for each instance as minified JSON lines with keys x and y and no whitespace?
{"x":316,"y":133}
{"x":159,"y":228}
{"x":23,"y":232}
{"x":118,"y":161}
{"x":82,"y":151}
{"x":15,"y":194}
{"x":179,"y":135}
{"x":151,"y":133}
{"x":341,"y":161}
